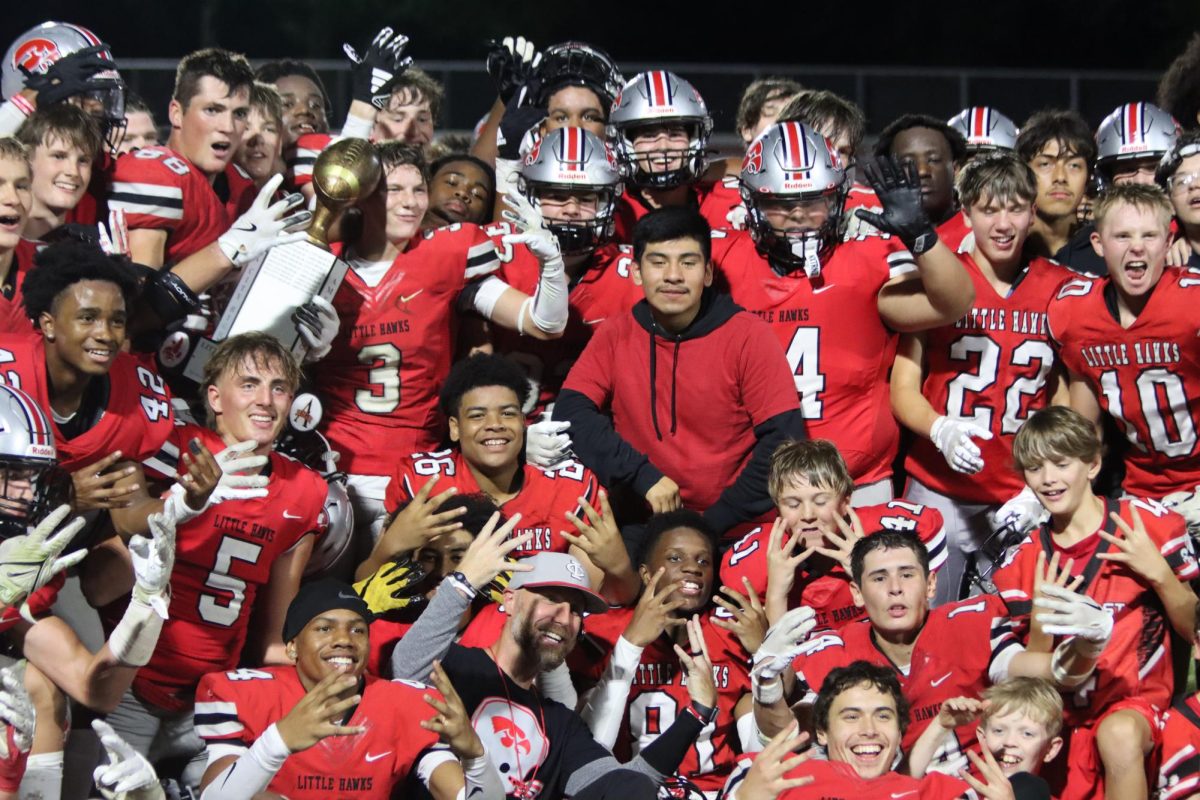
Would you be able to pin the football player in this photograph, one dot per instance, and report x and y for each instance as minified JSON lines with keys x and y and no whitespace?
{"x":108,"y":411}
{"x":631,"y":652}
{"x":482,"y":398}
{"x":811,"y":487}
{"x":954,"y":650}
{"x":571,"y":178}
{"x":461,"y":189}
{"x":140,"y":129}
{"x":1179,"y":773}
{"x":835,"y":307}
{"x":63,"y":142}
{"x":711,"y":376}
{"x":966,"y":388}
{"x":181,"y":200}
{"x":304,"y":99}
{"x":761,"y":104}
{"x":16,"y":252}
{"x":397,"y":309}
{"x":1133,"y":557}
{"x":243,"y":544}
{"x":1129,"y":346}
{"x":323,"y":726}
{"x":261,"y":153}
{"x":1059,"y":147}
{"x":1177,"y":173}
{"x":659,"y":127}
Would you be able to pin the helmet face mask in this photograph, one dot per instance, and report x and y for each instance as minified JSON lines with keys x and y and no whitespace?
{"x":660,"y":126}
{"x":577,"y":64}
{"x":31,"y":484}
{"x":571,"y":176}
{"x":793,"y":187}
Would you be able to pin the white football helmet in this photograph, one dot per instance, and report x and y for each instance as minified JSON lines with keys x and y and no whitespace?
{"x":655,"y":98}
{"x":985,"y":128}
{"x":1134,"y":131}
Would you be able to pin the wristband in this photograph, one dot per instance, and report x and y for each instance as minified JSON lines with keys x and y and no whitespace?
{"x":464,"y":587}
{"x":132,"y":641}
{"x":22,"y":104}
{"x":176,"y":507}
{"x":704,"y":713}
{"x":768,"y":693}
{"x":923,"y":243}
{"x":1063,"y":678}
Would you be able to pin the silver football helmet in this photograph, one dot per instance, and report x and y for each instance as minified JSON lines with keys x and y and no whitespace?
{"x":339,"y":530}
{"x":1134,"y":131}
{"x":791,"y":163}
{"x":29,"y":476}
{"x":575,"y":161}
{"x":985,"y":128}
{"x":42,"y":45}
{"x":654,"y":98}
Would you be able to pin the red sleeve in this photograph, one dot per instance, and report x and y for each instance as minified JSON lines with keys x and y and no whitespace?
{"x":1169,"y":532}
{"x":148,"y":186}
{"x":482,"y":258}
{"x":592,"y":373}
{"x":747,"y":559}
{"x":301,"y":156}
{"x":768,"y":386}
{"x":224,"y":711}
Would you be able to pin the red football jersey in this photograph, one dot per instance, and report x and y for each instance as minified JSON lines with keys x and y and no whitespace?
{"x":605,"y":290}
{"x":136,"y":420}
{"x":234,"y":708}
{"x":13,"y":318}
{"x":839,"y":349}
{"x":160,"y":189}
{"x":1147,"y":377}
{"x":222,"y":558}
{"x":952,"y":657}
{"x":1137,"y":659}
{"x":545,"y":496}
{"x":835,"y":780}
{"x":301,"y":156}
{"x":382,"y":377}
{"x":862,"y":196}
{"x":1179,"y":773}
{"x":990,"y":367}
{"x":659,"y":692}
{"x":712,"y":202}
{"x":828,"y":592}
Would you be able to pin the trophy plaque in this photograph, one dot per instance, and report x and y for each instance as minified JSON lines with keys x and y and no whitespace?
{"x":272,"y":287}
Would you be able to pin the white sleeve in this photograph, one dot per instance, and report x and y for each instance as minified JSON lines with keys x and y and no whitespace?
{"x":488,"y":294}
{"x":11,"y":116}
{"x":606,"y":703}
{"x":357,"y":127}
{"x":253,"y":770}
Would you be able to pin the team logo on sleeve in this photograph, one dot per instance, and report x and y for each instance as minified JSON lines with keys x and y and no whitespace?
{"x":515,"y":742}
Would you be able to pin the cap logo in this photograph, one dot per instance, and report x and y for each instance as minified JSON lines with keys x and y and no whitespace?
{"x":576,"y":570}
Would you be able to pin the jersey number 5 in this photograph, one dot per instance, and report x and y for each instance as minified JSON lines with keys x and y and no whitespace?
{"x":215,"y":609}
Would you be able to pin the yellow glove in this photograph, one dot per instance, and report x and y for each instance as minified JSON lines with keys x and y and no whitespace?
{"x":395,"y":585}
{"x":495,"y":589}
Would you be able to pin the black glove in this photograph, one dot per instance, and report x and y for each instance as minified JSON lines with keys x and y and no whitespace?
{"x":898,"y":188}
{"x":511,"y":63}
{"x":375,"y":74}
{"x":71,"y":75}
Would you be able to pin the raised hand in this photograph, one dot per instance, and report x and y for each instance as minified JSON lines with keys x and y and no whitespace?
{"x":1136,"y":549}
{"x":654,"y":613}
{"x":1021,"y":512}
{"x":265,"y":224}
{"x":29,"y":562}
{"x":69,"y":76}
{"x":749,"y":618}
{"x":599,"y":536}
{"x":451,"y":723}
{"x":95,"y":485}
{"x":782,"y":563}
{"x":318,"y":324}
{"x":898,"y":188}
{"x":393,"y":586}
{"x":1067,"y":613}
{"x":992,"y":783}
{"x":127,"y":774}
{"x":487,"y":556}
{"x":312,"y":718}
{"x":783,"y":642}
{"x":209,"y":480}
{"x":698,"y":664}
{"x":419,"y":522}
{"x":843,"y":543}
{"x":531,"y":229}
{"x":153,"y":559}
{"x":377,"y":71}
{"x":767,"y":777}
{"x":16,"y":712}
{"x":511,"y":63}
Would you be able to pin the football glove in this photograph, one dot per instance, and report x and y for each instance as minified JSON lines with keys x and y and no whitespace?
{"x":495,"y":589}
{"x":1020,"y":513}
{"x":29,"y":562}
{"x":547,"y":442}
{"x":395,"y":585}
{"x":1068,"y":613}
{"x":16,"y":712}
{"x":153,"y":558}
{"x":127,"y":775}
{"x":375,"y":74}
{"x":1186,"y":505}
{"x":317,"y":323}
{"x":264,"y":225}
{"x":69,"y":76}
{"x":953,"y":438}
{"x":898,"y":188}
{"x":511,"y":63}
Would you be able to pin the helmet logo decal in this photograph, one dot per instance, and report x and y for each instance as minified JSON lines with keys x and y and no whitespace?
{"x":36,"y":55}
{"x":660,"y":89}
{"x":753,"y":162}
{"x":796,"y":159}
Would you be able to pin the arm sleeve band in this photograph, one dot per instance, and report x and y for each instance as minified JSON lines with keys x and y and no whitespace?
{"x":132,"y":641}
{"x":606,"y":704}
{"x":486,"y":295}
{"x":357,"y":127}
{"x":253,"y":770}
{"x":556,"y":684}
{"x":550,"y":306}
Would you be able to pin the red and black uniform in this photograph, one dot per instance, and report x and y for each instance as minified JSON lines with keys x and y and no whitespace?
{"x":713,"y":204}
{"x":962,"y":648}
{"x":827,"y":590}
{"x":1147,"y":376}
{"x":990,"y":367}
{"x":605,"y":290}
{"x":233,"y":709}
{"x":222,"y":558}
{"x":382,"y":377}
{"x":301,"y":157}
{"x":13,"y":318}
{"x":838,"y":349}
{"x":835,"y":780}
{"x":128,"y":409}
{"x":158,"y":188}
{"x":1135,"y":671}
{"x":706,"y":407}
{"x":1179,"y":772}
{"x":543,"y":500}
{"x":659,"y":692}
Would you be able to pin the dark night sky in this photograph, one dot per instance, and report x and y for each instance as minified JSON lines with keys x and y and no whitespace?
{"x":1104,"y":34}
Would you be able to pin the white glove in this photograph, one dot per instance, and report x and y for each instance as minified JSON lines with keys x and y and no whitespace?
{"x":264,"y":225}
{"x":16,"y":711}
{"x":1020,"y":513}
{"x":737,"y":218}
{"x":952,"y":436}
{"x":232,"y":486}
{"x":318,"y":324}
{"x":1186,"y":505}
{"x":549,"y":306}
{"x":547,"y":442}
{"x":29,"y":562}
{"x":152,"y":560}
{"x":114,"y":239}
{"x":127,"y":771}
{"x":783,"y":643}
{"x":1073,"y":614}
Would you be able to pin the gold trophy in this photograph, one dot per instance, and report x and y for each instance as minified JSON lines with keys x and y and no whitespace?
{"x":286,"y":277}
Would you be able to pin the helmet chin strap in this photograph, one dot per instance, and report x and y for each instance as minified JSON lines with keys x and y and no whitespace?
{"x":806,"y":250}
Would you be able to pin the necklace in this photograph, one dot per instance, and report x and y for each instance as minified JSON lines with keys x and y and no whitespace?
{"x":521,"y":788}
